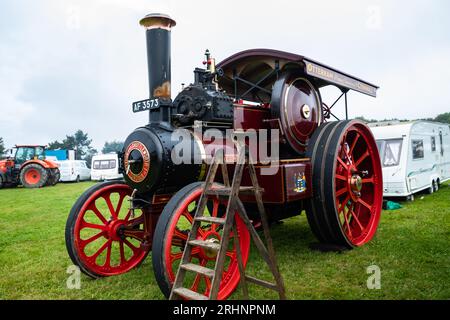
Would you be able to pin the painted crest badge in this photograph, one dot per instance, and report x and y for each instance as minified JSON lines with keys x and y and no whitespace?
{"x":300,"y":182}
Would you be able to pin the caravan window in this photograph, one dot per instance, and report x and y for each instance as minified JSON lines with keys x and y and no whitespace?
{"x":417,"y":149}
{"x":433,"y":144}
{"x":104,"y":164}
{"x":391,"y":152}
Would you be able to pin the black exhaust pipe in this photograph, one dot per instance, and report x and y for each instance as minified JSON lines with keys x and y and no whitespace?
{"x":158,"y":27}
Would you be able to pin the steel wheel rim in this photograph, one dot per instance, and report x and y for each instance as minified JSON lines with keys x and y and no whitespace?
{"x":32,"y":176}
{"x":358,"y":185}
{"x":231,"y":276}
{"x":120,"y":253}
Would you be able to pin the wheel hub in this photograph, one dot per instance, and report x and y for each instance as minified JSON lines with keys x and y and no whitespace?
{"x":212,"y":237}
{"x":356,"y":183}
{"x":115,"y":229}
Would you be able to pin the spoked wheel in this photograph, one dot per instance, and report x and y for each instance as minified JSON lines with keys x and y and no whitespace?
{"x":347,"y":183}
{"x":171,"y":235}
{"x":102,"y":236}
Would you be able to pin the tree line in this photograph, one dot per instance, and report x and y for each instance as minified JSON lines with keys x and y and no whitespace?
{"x":81,"y":143}
{"x":443,"y":118}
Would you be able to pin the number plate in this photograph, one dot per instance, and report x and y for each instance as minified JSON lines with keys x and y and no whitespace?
{"x":144,"y":105}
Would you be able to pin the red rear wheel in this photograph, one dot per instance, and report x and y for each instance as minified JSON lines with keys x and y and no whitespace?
{"x":347,"y":175}
{"x":102,"y":237}
{"x":171,"y":236}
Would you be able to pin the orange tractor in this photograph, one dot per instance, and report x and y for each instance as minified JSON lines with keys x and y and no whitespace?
{"x":27,"y":166}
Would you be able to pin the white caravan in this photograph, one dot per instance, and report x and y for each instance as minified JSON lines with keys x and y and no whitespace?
{"x":74,"y":170}
{"x":105,"y":167}
{"x":415,"y":156}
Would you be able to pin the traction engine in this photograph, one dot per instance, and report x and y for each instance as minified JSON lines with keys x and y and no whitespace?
{"x":329,"y":169}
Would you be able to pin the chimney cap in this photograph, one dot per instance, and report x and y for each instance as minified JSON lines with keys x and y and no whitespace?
{"x":157,"y":20}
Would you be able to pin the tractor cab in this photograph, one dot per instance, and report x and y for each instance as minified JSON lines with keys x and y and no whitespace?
{"x":26,"y":153}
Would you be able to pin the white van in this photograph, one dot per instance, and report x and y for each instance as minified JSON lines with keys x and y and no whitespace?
{"x":415,"y":156}
{"x":105,"y":167}
{"x":74,"y":170}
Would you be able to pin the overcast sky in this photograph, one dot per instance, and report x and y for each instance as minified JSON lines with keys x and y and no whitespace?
{"x":79,"y":64}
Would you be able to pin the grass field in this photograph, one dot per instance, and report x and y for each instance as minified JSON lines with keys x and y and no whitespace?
{"x":411,"y":249}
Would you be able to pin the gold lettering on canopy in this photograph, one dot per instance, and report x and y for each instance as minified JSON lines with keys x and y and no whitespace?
{"x":334,"y":77}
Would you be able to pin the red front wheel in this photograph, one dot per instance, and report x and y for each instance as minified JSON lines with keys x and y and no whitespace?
{"x":102,"y":236}
{"x":171,"y":235}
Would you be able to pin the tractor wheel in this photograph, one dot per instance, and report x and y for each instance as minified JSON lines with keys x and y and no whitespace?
{"x":170,"y":238}
{"x":33,"y":176}
{"x":57,"y":176}
{"x":51,"y":177}
{"x":102,"y":237}
{"x":347,"y":184}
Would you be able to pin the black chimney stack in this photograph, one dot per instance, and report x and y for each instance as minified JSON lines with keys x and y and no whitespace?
{"x":158,"y":28}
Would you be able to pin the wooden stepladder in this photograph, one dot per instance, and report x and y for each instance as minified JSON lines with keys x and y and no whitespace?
{"x":231,"y":193}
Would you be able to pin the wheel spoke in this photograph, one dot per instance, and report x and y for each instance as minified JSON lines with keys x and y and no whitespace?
{"x":175,"y":256}
{"x":342,"y":163}
{"x":215,"y":208}
{"x":128,"y":215}
{"x":354,"y":143}
{"x":347,"y":225}
{"x":136,"y":221}
{"x":131,"y":246}
{"x":110,"y":206}
{"x":119,"y":204}
{"x":180,"y":235}
{"x":361,"y":159}
{"x":340,"y":177}
{"x":368,"y":180}
{"x":343,"y":204}
{"x":355,"y":217}
{"x":97,"y":212}
{"x":365,"y":204}
{"x":340,"y":192}
{"x":188,"y":216}
{"x":89,"y":225}
{"x":208,"y":286}
{"x":195,"y":251}
{"x":197,"y":279}
{"x":214,"y":214}
{"x":108,"y":256}
{"x":91,"y":239}
{"x":231,"y":255}
{"x":122,"y":253}
{"x":102,"y":248}
{"x":135,"y":234}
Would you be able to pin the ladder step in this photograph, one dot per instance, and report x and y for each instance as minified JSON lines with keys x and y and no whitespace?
{"x":211,"y":219}
{"x":262,"y":283}
{"x":189,"y":294}
{"x":226,"y":191}
{"x":205,"y":244}
{"x":199,"y":269}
